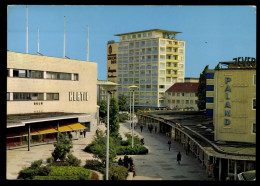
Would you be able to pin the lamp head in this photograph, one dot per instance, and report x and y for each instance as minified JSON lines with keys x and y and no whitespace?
{"x":133,"y":87}
{"x":108,"y":85}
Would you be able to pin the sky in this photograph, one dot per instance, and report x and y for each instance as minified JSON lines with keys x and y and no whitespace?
{"x":212,"y":33}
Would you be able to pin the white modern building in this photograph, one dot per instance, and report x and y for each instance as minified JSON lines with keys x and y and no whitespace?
{"x":49,"y":94}
{"x":153,"y":60}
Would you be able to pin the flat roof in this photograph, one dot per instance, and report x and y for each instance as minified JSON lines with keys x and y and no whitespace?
{"x":18,"y":120}
{"x":51,"y":56}
{"x":201,"y":128}
{"x":159,"y":30}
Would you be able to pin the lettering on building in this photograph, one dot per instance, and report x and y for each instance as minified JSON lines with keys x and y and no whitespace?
{"x":245,"y":62}
{"x":78,"y":96}
{"x":227,"y":121}
{"x":110,"y":56}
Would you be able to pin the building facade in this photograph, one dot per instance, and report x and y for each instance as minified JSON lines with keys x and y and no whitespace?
{"x":182,"y":96}
{"x":231,"y":98}
{"x":66,"y":89}
{"x":152,"y":60}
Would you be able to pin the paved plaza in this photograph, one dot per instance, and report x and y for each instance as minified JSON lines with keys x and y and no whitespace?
{"x":158,"y":164}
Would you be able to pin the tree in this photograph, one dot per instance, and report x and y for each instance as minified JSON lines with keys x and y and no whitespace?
{"x":99,"y":145}
{"x":202,"y":90}
{"x":62,"y":148}
{"x":114,"y":118}
{"x":122,"y":102}
{"x":102,"y":109}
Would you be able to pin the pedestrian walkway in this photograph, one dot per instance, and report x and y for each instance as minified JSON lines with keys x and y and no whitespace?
{"x":160,"y":163}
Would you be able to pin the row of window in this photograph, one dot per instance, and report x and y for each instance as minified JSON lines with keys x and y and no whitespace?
{"x":182,"y":101}
{"x":21,"y":73}
{"x":28,"y":96}
{"x":140,"y":35}
{"x":187,"y":94}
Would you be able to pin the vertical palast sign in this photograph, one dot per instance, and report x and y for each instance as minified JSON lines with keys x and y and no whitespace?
{"x":227,"y":106}
{"x":78,"y":96}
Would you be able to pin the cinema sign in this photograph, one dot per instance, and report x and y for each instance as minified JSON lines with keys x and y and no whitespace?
{"x":246,"y":62}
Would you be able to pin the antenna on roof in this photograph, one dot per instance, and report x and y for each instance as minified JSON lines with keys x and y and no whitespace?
{"x":64,"y":40}
{"x":26,"y":30}
{"x":88,"y":44}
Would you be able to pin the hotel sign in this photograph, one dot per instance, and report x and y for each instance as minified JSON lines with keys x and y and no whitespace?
{"x":78,"y":96}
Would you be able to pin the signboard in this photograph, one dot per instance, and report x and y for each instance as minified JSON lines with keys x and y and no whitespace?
{"x":245,"y":62}
{"x":112,"y":61}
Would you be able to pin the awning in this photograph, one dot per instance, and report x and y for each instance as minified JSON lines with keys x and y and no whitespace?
{"x":76,"y":126}
{"x":71,"y":126}
{"x":45,"y":130}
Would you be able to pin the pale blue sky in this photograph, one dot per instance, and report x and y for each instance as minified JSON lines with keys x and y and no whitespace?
{"x":230,"y":31}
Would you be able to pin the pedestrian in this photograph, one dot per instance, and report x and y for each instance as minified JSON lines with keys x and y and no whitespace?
{"x":120,"y":161}
{"x":132,"y":169}
{"x":155,"y":129}
{"x":84,"y":132}
{"x":169,"y":143}
{"x":126,"y":161}
{"x":151,"y":128}
{"x":179,"y":157}
{"x":141,"y":127}
{"x":70,"y":136}
{"x":142,"y":141}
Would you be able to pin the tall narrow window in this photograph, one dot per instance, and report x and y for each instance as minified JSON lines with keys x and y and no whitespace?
{"x":254,"y":128}
{"x":8,"y":96}
{"x":254,"y":79}
{"x":254,"y":104}
{"x":76,"y":77}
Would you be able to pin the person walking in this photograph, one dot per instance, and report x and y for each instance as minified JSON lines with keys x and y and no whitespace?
{"x":141,"y":127}
{"x":84,"y":132}
{"x":169,"y":143}
{"x":151,"y":128}
{"x":179,"y":157}
{"x":155,"y":129}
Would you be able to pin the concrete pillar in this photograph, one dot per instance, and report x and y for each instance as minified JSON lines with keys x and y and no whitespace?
{"x":235,"y":170}
{"x":29,"y":136}
{"x":219,"y":171}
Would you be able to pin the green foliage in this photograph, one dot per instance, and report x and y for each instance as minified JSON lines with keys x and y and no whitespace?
{"x":27,"y":174}
{"x":202,"y":90}
{"x":102,"y":109}
{"x":62,"y":148}
{"x":50,"y":159}
{"x":73,"y":160}
{"x":123,"y":117}
{"x":114,"y":118}
{"x":124,"y":143}
{"x":30,"y":173}
{"x":131,"y":151}
{"x":94,"y":165}
{"x":70,"y":171}
{"x":122,"y":102}
{"x":36,"y":164}
{"x":98,"y":147}
{"x":56,"y":178}
{"x":117,"y":173}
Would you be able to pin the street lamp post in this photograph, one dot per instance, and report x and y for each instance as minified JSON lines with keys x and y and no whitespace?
{"x":133,"y":88}
{"x":109,"y":87}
